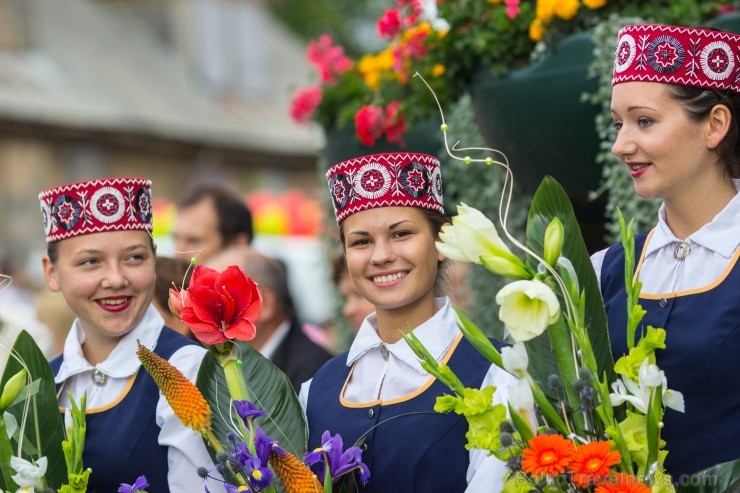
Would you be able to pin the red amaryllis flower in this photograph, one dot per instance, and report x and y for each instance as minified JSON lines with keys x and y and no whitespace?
{"x":221,"y":306}
{"x":369,"y":124}
{"x":621,"y":483}
{"x":305,"y":103}
{"x":548,"y":455}
{"x":591,"y":462}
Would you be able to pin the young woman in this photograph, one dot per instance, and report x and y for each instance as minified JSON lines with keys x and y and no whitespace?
{"x":389,"y":211}
{"x":101,"y":258}
{"x":675,"y":105}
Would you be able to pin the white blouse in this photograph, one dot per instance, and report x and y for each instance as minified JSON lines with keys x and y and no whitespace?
{"x":186,"y":451}
{"x":376,"y":377}
{"x":712,"y":248}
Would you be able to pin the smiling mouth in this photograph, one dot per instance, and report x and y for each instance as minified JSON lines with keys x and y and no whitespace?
{"x":114,"y":304}
{"x":389,"y":278}
{"x":637,"y":167}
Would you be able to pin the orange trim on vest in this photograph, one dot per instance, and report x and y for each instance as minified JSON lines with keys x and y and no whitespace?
{"x":403,"y":398}
{"x":676,"y":294}
{"x":107,"y":406}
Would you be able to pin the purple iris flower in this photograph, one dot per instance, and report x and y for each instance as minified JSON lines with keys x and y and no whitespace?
{"x":248,"y":411}
{"x":138,"y":485}
{"x":339,"y":462}
{"x":260,"y":476}
{"x":263,"y":445}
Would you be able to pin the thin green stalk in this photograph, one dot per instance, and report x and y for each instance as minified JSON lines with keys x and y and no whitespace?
{"x":6,"y":452}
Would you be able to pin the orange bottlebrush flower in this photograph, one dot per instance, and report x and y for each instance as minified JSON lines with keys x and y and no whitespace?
{"x":295,"y":475}
{"x":186,"y":401}
{"x":621,"y":483}
{"x":591,"y":462}
{"x":547,"y":454}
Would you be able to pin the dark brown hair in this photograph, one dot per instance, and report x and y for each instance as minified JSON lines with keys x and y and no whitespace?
{"x":234,"y":217}
{"x":698,"y":103}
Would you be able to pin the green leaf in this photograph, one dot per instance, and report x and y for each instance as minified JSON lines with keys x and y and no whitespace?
{"x":269,"y":388}
{"x":478,"y":339}
{"x":723,"y":477}
{"x":44,"y":427}
{"x":551,"y":201}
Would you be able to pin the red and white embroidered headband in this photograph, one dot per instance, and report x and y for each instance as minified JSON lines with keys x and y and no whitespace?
{"x":406,"y":179}
{"x":678,"y":55}
{"x":95,"y":206}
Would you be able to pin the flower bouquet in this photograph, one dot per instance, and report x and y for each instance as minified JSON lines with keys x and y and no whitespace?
{"x":576,"y":420}
{"x":236,"y":387}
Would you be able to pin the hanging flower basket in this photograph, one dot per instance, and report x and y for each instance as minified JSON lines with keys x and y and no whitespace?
{"x":342,"y":144}
{"x":536,"y":117}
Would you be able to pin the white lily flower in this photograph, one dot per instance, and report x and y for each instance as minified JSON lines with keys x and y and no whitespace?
{"x":471,"y":236}
{"x":527,"y":308}
{"x":521,"y":397}
{"x":515,"y":359}
{"x":28,"y":474}
{"x":638,"y":394}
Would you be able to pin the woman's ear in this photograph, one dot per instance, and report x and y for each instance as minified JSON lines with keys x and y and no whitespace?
{"x":50,"y":274}
{"x":719,"y":121}
{"x":441,"y":257}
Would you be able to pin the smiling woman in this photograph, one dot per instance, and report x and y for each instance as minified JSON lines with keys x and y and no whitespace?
{"x":101,"y":258}
{"x":389,"y":212}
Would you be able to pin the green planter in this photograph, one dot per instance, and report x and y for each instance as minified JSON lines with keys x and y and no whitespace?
{"x":536,"y":117}
{"x":342,"y":144}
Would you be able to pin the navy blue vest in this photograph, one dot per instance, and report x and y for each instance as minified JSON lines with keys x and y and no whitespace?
{"x":408,"y":447}
{"x":701,"y":360}
{"x":121,"y":441}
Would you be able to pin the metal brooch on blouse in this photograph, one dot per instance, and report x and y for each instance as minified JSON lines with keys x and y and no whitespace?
{"x":682,"y":250}
{"x":98,"y":377}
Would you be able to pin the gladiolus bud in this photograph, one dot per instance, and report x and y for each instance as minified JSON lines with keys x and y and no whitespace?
{"x":510,"y":266}
{"x":554,"y":236}
{"x":12,"y":388}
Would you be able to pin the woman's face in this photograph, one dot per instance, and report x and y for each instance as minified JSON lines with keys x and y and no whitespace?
{"x":665,"y":153}
{"x":107,"y":279}
{"x":355,"y":307}
{"x":391,"y":256}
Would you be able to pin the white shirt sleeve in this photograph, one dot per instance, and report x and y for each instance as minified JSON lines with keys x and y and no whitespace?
{"x":597,"y":260}
{"x":486,"y":472}
{"x":186,"y":450}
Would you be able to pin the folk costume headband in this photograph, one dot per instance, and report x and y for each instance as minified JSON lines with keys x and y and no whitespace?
{"x":406,"y":179}
{"x":678,"y":55}
{"x":96,"y":206}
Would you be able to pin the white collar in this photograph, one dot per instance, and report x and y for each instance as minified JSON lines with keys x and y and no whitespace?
{"x":720,"y":235}
{"x":269,"y":347}
{"x":122,"y":361}
{"x":436,"y":334}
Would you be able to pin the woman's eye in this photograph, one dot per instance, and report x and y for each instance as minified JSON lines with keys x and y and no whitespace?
{"x":644,"y":122}
{"x":617,"y":126}
{"x":89,"y":262}
{"x":401,"y":234}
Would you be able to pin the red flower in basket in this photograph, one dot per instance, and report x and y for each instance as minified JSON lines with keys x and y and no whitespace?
{"x":220,"y":306}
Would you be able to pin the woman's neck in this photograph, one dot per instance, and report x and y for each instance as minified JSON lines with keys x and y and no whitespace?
{"x":687,"y":213}
{"x":394,"y":322}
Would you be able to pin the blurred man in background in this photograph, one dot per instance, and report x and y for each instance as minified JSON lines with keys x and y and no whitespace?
{"x":211,"y":217}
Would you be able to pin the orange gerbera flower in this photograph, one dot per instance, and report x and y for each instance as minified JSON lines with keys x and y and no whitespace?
{"x":591,"y":462}
{"x":547,"y":454}
{"x":621,"y":483}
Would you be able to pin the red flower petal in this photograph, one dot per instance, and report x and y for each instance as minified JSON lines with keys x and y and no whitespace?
{"x":242,"y":330}
{"x":203,"y":276}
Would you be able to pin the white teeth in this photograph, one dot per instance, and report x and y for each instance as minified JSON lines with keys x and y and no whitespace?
{"x":637,"y":167}
{"x":116,"y":302}
{"x":389,"y":278}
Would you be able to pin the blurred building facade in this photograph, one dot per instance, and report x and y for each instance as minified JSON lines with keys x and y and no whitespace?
{"x":173,"y":90}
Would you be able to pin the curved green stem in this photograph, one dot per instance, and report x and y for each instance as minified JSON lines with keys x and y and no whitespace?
{"x":6,"y":452}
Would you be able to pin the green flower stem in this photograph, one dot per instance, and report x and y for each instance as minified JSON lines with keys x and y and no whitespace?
{"x":235,"y":383}
{"x":562,"y":346}
{"x":6,"y":452}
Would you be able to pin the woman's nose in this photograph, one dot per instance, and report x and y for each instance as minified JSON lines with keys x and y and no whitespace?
{"x":623,"y":145}
{"x":382,"y":252}
{"x":114,"y":278}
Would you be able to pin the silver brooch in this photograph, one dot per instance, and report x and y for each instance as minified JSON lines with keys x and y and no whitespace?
{"x":384,"y":351}
{"x":98,"y":377}
{"x":682,"y":250}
